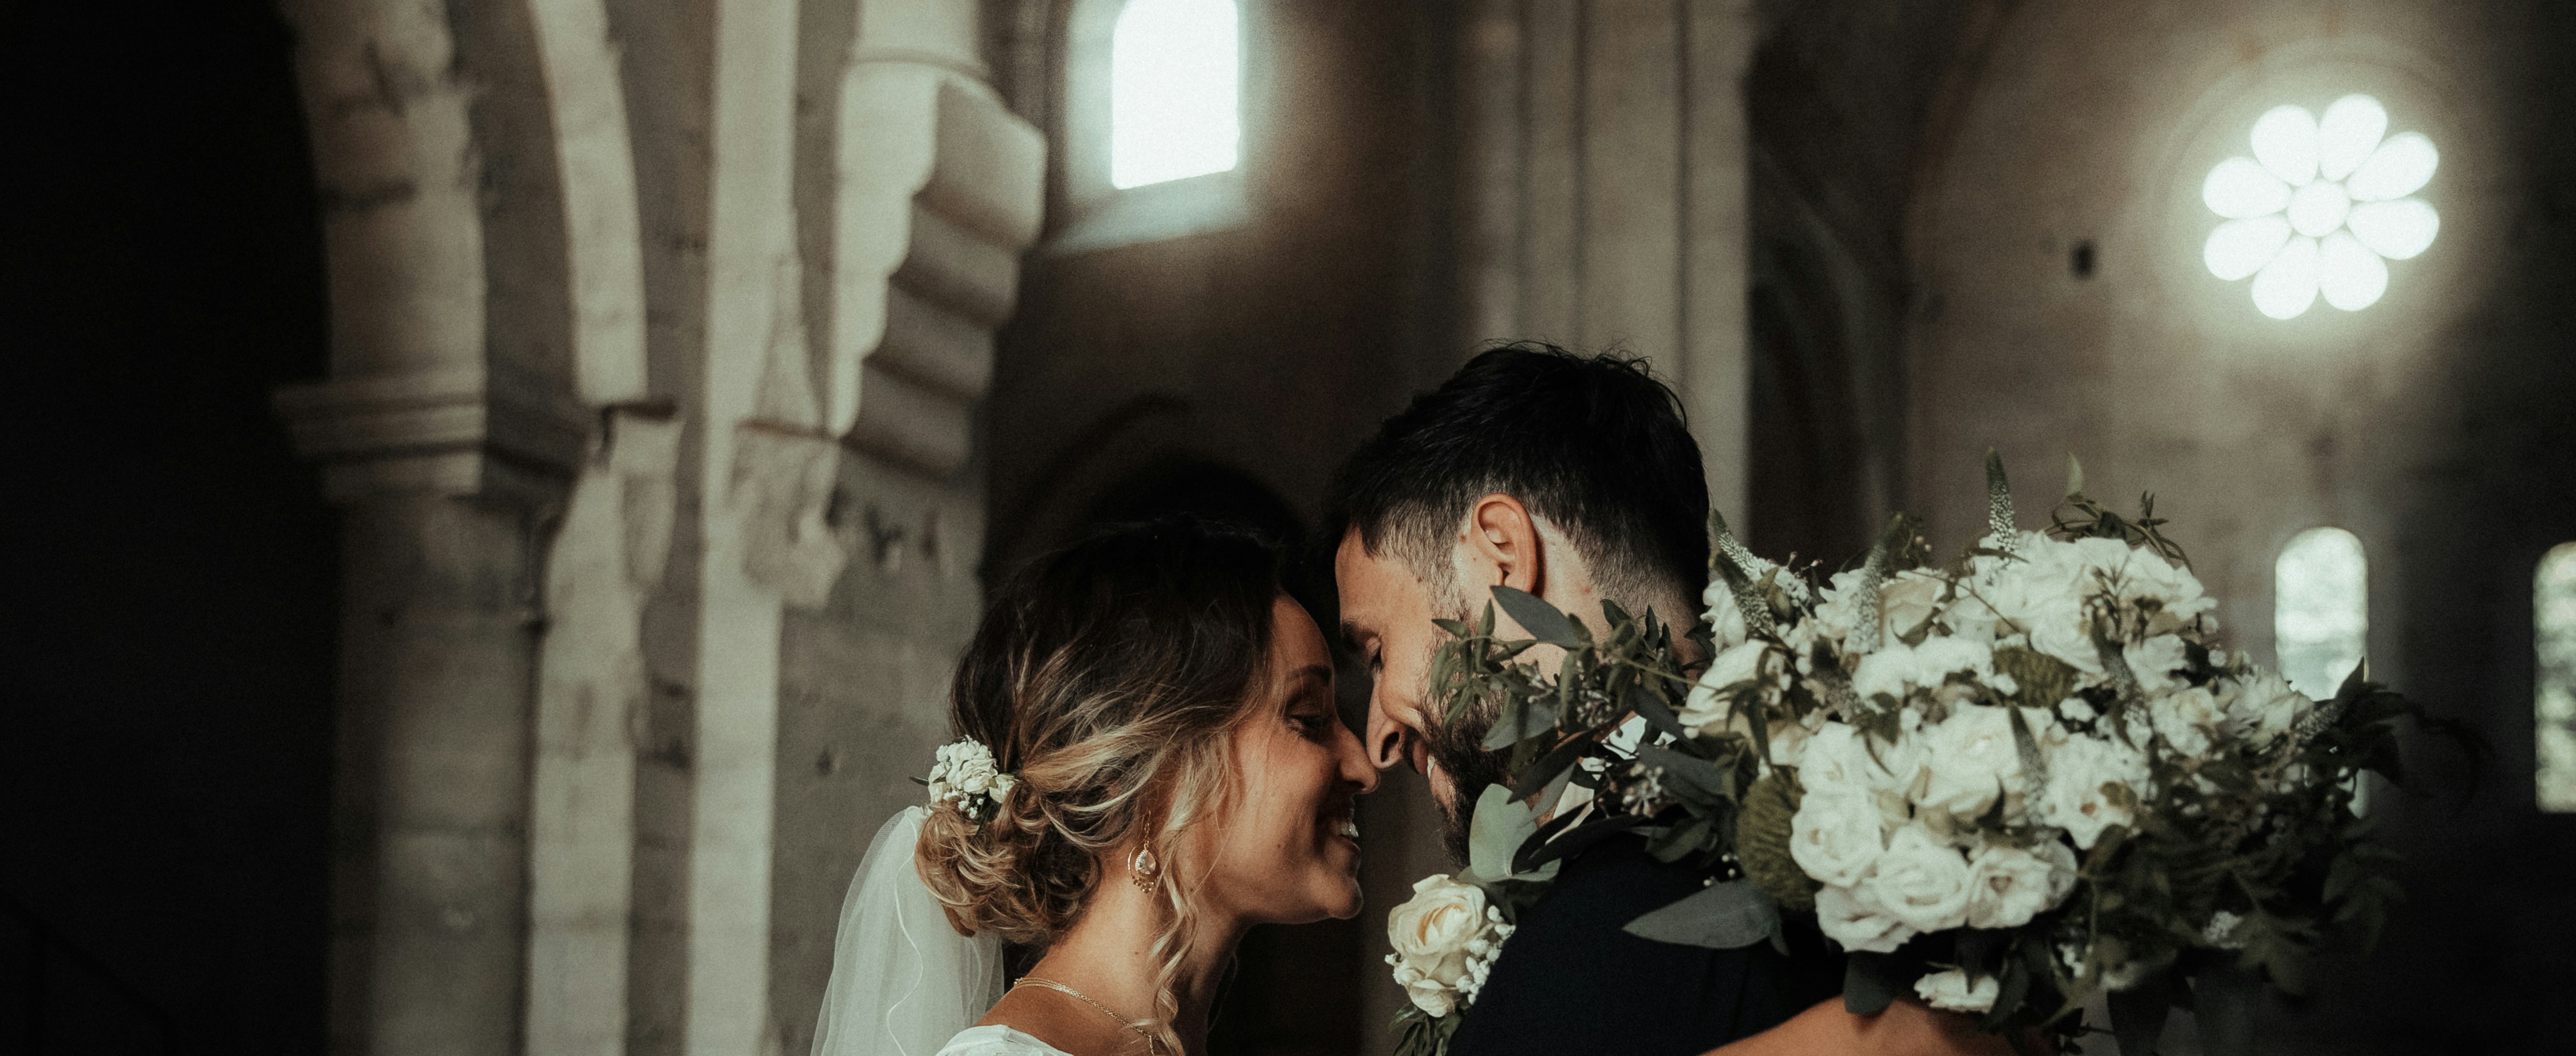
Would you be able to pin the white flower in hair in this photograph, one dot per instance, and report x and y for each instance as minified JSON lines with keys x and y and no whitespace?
{"x":966,"y":775}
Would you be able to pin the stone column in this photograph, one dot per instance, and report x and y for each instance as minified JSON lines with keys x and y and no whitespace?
{"x":1604,"y":166}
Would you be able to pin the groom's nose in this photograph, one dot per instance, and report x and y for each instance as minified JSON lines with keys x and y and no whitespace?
{"x":1389,"y":740}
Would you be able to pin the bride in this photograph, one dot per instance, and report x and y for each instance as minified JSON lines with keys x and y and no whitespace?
{"x":1149,"y":763}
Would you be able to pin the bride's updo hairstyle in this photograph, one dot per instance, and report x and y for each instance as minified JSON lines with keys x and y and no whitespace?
{"x":1105,"y":677}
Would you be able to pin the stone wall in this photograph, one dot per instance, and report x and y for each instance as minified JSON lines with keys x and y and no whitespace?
{"x":2430,"y":424}
{"x":658,"y":330}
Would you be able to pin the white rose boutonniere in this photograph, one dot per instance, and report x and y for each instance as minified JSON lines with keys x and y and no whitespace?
{"x":1446,"y":938}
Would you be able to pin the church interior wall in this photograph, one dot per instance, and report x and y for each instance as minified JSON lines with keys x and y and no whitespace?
{"x":2432,"y":425}
{"x":1953,"y":225}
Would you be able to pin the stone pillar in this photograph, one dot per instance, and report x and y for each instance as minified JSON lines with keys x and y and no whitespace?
{"x":534,"y":855}
{"x":1604,"y":166}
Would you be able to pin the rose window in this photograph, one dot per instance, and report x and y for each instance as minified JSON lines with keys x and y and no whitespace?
{"x":2321,"y":207}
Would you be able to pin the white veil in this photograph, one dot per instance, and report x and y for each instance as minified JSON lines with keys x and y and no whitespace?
{"x":903,"y":981}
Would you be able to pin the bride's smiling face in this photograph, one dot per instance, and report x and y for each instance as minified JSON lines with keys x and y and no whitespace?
{"x":1285,"y":848}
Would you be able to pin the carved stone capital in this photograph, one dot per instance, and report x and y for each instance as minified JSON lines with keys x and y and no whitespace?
{"x":484,"y":431}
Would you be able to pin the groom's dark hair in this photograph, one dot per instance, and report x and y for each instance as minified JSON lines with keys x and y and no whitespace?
{"x":1594,"y":444}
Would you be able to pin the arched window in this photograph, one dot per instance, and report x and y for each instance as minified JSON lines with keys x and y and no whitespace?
{"x":1175,"y":79}
{"x":2321,"y":615}
{"x":2553,"y":703}
{"x":2320,"y":609}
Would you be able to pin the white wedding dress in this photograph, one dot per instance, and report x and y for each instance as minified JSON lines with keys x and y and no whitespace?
{"x":997,"y":1041}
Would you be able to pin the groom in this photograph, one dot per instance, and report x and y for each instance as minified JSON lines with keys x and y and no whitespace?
{"x":1572,"y":478}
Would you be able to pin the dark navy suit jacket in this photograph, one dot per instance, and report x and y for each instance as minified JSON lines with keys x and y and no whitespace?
{"x":1570,"y":981}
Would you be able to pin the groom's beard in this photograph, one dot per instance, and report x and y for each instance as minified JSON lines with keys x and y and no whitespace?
{"x":1458,"y":749}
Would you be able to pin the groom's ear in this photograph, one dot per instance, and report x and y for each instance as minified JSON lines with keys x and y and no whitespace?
{"x":1503,"y":545}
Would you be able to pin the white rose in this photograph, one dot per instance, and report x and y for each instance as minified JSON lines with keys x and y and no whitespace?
{"x":1973,"y":760}
{"x":1921,"y":880}
{"x":2264,"y":704}
{"x":1433,"y":934}
{"x":2185,"y":720}
{"x":1838,"y":758}
{"x":1850,"y":917}
{"x":1836,"y":836}
{"x":1788,"y":742}
{"x":2077,"y":771}
{"x":1951,"y":991}
{"x":2008,"y":885}
{"x":1906,"y":600}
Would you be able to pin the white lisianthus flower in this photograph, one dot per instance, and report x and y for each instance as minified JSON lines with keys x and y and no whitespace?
{"x":1896,"y":667}
{"x":2077,"y":771}
{"x":2264,"y":704}
{"x":1973,"y":760}
{"x":1851,"y":917}
{"x":2157,"y":662}
{"x":1921,"y":880}
{"x":1906,"y":600}
{"x":2009,"y":885}
{"x":1951,"y":991}
{"x":1837,"y":835}
{"x":1439,"y":935}
{"x":1704,"y":711}
{"x":2186,"y":720}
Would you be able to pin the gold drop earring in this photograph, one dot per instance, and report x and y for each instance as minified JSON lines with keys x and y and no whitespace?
{"x":1142,"y":868}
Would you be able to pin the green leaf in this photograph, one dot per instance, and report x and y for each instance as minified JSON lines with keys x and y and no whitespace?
{"x":1542,"y":620}
{"x":2138,"y":1014}
{"x":1556,"y":760}
{"x":1723,"y":916}
{"x":1693,"y":778}
{"x":1522,"y":718}
{"x":1497,"y":830}
{"x":1644,"y":702}
{"x":1873,"y":981}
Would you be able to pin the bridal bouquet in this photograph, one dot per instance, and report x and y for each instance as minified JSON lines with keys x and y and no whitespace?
{"x":2002,"y":785}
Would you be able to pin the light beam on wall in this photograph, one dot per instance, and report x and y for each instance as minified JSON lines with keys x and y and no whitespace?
{"x":2321,"y":207}
{"x":1174,"y":85}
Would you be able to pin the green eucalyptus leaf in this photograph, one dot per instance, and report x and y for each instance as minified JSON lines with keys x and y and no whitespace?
{"x":1725,"y":916}
{"x":1497,"y":830}
{"x":2138,"y":1013}
{"x":1690,"y":777}
{"x":1522,"y":718}
{"x":1542,"y":620}
{"x":1873,"y":981}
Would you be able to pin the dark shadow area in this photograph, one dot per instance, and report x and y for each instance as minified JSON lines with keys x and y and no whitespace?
{"x":163,"y":777}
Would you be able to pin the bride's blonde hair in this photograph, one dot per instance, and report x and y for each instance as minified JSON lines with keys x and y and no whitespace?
{"x":1104,"y":677}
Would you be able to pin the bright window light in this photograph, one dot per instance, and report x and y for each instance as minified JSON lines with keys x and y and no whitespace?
{"x":2321,"y":612}
{"x":2553,"y":705}
{"x":1174,"y":81}
{"x":2320,"y":609}
{"x":2321,"y":207}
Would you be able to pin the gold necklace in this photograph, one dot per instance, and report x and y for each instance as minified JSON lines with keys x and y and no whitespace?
{"x":1139,"y":1027}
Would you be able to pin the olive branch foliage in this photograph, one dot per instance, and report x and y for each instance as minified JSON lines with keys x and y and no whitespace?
{"x":2263,"y":832}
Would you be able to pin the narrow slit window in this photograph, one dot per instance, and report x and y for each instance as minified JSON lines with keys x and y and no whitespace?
{"x":2320,"y":609}
{"x":1175,"y":77}
{"x":2321,"y":616}
{"x":2553,"y":625}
